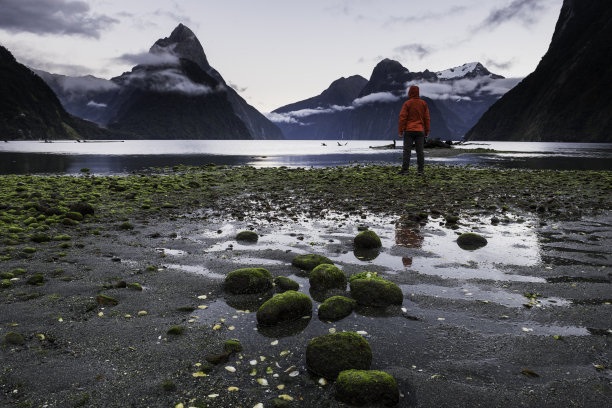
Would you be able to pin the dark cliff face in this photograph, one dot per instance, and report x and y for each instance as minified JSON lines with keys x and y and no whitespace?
{"x":569,"y":95}
{"x":29,"y":110}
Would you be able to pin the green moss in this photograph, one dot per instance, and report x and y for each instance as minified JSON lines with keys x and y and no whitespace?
{"x":367,"y":240}
{"x":106,"y":300}
{"x":168,"y":386}
{"x":7,"y":275}
{"x":28,"y":250}
{"x":247,"y":236}
{"x":328,"y":355}
{"x":284,"y":284}
{"x":126,"y":226}
{"x":18,"y":271}
{"x":39,"y":238}
{"x":248,"y":280}
{"x":36,"y":279}
{"x":5,"y":283}
{"x":310,"y":261}
{"x":336,"y":308}
{"x":73,"y":215}
{"x":326,"y":276}
{"x":232,"y":346}
{"x":134,"y":286}
{"x":376,"y":292}
{"x":287,"y":306}
{"x":451,"y":219}
{"x":471,"y":241}
{"x":361,"y":387}
{"x":62,"y":237}
{"x":176,"y":330}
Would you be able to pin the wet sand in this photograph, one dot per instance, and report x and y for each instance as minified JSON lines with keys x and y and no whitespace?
{"x":524,"y":321}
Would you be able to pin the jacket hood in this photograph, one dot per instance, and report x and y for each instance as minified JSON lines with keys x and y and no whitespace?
{"x":413,"y":92}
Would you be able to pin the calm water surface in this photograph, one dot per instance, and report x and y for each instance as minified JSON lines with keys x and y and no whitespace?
{"x":121,"y":157}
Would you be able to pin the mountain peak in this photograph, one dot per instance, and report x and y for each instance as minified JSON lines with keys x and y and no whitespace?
{"x":182,"y":43}
{"x":467,"y":70}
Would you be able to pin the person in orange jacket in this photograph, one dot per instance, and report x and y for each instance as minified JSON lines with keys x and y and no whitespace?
{"x":414,"y":128}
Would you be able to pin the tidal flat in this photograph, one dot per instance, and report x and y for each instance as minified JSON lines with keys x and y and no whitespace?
{"x":113,"y":287}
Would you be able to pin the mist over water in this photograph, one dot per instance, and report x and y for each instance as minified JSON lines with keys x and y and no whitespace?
{"x":121,"y":157}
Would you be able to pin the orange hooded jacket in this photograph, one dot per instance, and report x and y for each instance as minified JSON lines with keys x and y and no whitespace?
{"x":414,"y":116}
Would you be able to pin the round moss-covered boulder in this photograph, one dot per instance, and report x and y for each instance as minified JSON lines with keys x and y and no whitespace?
{"x":284,"y":284}
{"x":83,"y":208}
{"x":367,"y":239}
{"x":371,"y":290}
{"x":248,"y":280}
{"x":361,"y":387}
{"x":330,"y":354}
{"x":287,"y":306}
{"x":327,"y":276}
{"x":336,"y":308}
{"x":36,"y":279}
{"x":247,"y":236}
{"x":471,"y":241}
{"x":310,"y":261}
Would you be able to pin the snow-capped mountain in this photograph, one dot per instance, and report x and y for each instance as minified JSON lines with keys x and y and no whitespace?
{"x":457,"y":97}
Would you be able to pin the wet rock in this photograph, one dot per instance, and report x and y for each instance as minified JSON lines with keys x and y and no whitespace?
{"x":361,"y":387}
{"x":310,"y":261}
{"x":451,"y":219}
{"x":135,"y":286}
{"x":232,"y":346}
{"x":367,"y":240}
{"x":13,"y":338}
{"x":370,"y":290}
{"x":218,"y":358}
{"x":106,"y":300}
{"x":471,"y":241}
{"x":284,"y":284}
{"x":330,"y":354}
{"x":287,"y":306}
{"x":336,"y":308}
{"x":247,"y":236}
{"x":327,"y":276}
{"x":248,"y":280}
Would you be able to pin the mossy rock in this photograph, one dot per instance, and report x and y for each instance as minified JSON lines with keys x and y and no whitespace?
{"x":330,"y":354}
{"x":135,"y":286}
{"x":5,"y":283}
{"x":176,"y":330}
{"x":284,"y":284}
{"x":367,"y":240}
{"x":18,"y":271}
{"x":39,"y":238}
{"x":70,"y":222}
{"x":451,"y":219}
{"x":361,"y":387}
{"x":126,"y":226}
{"x":7,"y":275}
{"x":36,"y":279}
{"x":82,"y":208}
{"x":73,"y":215}
{"x":106,"y":300}
{"x":13,"y":338}
{"x":375,"y":291}
{"x":326,"y":276}
{"x":248,"y":280}
{"x":336,"y":308}
{"x":247,"y":236}
{"x":471,"y":241}
{"x":287,"y":306}
{"x":310,"y":261}
{"x":232,"y":346}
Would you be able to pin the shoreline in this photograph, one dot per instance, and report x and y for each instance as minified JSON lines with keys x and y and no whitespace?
{"x":173,"y":233}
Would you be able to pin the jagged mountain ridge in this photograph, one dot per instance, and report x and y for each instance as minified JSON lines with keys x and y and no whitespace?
{"x":174,"y":94}
{"x":30,"y":110}
{"x":456,"y":97}
{"x":568,"y":97}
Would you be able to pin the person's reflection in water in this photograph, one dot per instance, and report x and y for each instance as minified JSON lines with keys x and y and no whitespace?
{"x":408,"y":236}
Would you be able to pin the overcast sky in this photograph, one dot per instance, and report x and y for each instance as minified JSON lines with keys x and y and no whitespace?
{"x":276,"y":52}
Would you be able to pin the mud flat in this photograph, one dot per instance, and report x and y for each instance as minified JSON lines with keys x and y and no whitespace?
{"x":112,"y":287}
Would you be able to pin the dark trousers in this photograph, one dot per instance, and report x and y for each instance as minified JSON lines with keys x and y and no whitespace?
{"x":418,"y":139}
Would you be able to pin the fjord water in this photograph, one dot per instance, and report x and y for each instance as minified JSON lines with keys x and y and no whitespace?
{"x":120,"y":157}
